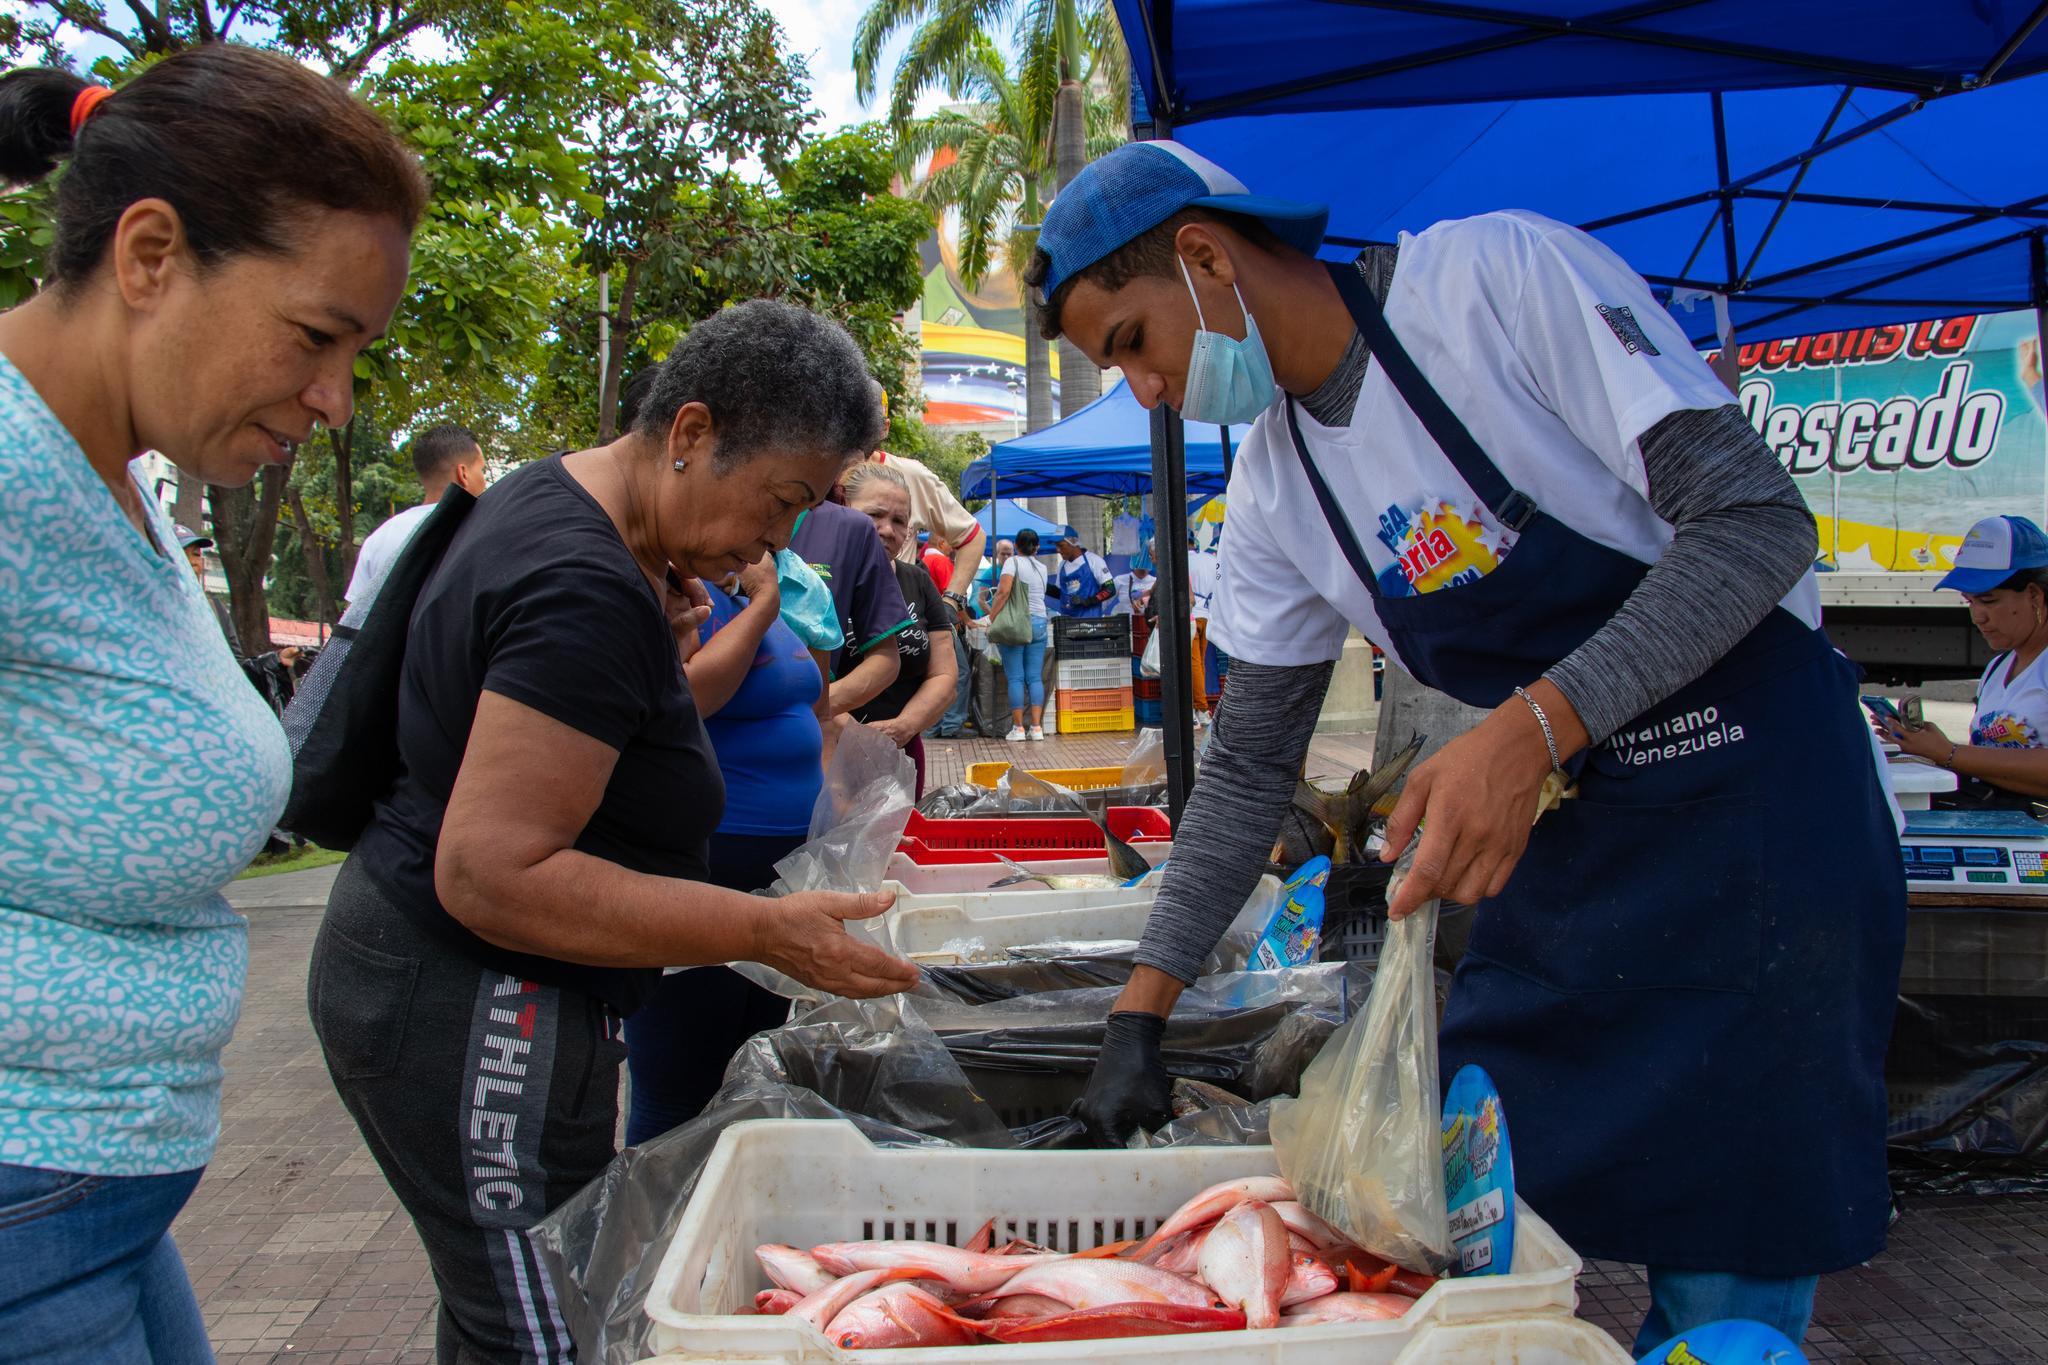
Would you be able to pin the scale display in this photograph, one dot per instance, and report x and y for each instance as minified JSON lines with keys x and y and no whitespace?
{"x":1963,"y":851}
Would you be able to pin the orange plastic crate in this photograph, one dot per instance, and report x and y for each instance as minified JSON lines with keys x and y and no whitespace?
{"x":1083,"y":699}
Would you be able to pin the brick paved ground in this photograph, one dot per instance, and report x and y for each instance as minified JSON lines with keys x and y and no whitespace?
{"x":299,"y":1252}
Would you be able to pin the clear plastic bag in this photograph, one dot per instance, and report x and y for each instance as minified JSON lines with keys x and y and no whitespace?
{"x":1363,"y":1144}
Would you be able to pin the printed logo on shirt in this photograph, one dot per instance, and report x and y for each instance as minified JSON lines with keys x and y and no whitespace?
{"x":1441,"y":544}
{"x":1622,"y":322}
{"x":2003,"y":730}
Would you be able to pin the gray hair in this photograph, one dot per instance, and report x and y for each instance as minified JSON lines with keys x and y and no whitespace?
{"x":774,"y":377}
{"x":867,"y":471}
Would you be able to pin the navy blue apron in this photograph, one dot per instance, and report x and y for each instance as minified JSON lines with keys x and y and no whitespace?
{"x":1078,"y":586}
{"x":1686,"y":989}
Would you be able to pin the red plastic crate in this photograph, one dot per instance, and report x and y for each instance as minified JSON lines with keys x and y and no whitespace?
{"x":937,"y":842}
{"x":1145,"y":689}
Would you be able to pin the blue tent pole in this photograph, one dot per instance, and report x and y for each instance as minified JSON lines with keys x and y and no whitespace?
{"x":2037,"y":251}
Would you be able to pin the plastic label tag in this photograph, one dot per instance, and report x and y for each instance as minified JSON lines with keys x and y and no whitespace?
{"x":1479,"y":1175}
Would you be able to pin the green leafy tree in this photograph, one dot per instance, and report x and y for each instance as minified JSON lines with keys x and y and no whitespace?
{"x":1072,"y":89}
{"x":722,"y":91}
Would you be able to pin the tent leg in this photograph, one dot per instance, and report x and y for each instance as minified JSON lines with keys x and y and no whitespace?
{"x":1176,"y":670}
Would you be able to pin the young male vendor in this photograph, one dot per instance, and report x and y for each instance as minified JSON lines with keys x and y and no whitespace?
{"x":1682,"y":980}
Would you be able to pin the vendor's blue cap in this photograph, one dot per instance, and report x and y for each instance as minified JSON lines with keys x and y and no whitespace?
{"x":1995,"y":549}
{"x":1142,"y":184}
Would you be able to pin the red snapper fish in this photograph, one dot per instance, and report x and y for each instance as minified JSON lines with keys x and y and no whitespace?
{"x":974,"y":1272}
{"x":1210,"y":1205}
{"x":1117,"y":1320}
{"x":1246,"y":1261}
{"x":1096,"y":1284}
{"x":1308,"y":1278}
{"x":790,"y":1268}
{"x":899,"y":1315}
{"x":772,"y":1301}
{"x":1348,"y":1307}
{"x":1299,"y":1220}
{"x":820,"y":1308}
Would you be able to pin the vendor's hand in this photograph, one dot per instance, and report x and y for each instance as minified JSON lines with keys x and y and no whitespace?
{"x":760,"y":582}
{"x":289,"y":656}
{"x":1475,"y":800}
{"x":687,"y":606}
{"x":1927,"y":742}
{"x":804,"y":936}
{"x":1130,"y":1089}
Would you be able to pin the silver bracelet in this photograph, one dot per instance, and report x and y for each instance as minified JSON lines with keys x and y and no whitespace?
{"x":1549,"y":739}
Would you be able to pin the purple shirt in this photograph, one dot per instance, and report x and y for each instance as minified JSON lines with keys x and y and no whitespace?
{"x":841,"y":545}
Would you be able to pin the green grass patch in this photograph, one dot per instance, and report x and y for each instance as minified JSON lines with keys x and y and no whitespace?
{"x":298,"y":860}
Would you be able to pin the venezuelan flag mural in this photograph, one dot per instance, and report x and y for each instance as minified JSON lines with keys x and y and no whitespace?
{"x":973,"y":341}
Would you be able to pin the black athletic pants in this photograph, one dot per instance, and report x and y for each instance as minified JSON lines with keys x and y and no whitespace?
{"x":486,"y":1100}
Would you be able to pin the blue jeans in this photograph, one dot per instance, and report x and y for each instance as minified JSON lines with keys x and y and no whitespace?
{"x":1681,"y":1300}
{"x":1024,"y":667}
{"x":963,"y":686}
{"x":88,"y":1272}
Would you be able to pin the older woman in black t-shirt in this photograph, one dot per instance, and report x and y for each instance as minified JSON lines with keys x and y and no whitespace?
{"x":542,"y":854}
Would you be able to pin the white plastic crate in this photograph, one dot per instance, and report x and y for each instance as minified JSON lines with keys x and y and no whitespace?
{"x":810,"y":1181}
{"x":957,"y":877}
{"x":1089,"y":674}
{"x":935,"y":928}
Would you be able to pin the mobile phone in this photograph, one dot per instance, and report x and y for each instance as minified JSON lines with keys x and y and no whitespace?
{"x":1883,"y":709}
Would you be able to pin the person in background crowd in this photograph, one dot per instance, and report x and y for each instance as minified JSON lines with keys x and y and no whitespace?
{"x":271,"y":672}
{"x":841,"y":547}
{"x":1024,"y":665}
{"x":544,"y":851}
{"x":444,"y":456}
{"x":230,"y":231}
{"x":2001,"y":570}
{"x":1201,"y":588}
{"x":985,"y":579}
{"x":937,"y":561}
{"x":1083,"y":584}
{"x":924,"y":685}
{"x":1133,"y":590}
{"x":757,"y":688}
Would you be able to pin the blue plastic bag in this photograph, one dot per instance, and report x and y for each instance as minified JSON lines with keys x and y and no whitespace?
{"x":807,"y":606}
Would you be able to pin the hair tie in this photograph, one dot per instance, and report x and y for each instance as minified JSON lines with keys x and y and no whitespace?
{"x":88,"y":100}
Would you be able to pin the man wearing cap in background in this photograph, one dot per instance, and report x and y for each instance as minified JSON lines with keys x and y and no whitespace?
{"x":1083,"y":585}
{"x":2001,"y":569}
{"x":270,"y":672}
{"x":1489,"y":450}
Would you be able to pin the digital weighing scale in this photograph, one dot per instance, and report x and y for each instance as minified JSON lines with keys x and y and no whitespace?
{"x":1975,"y":850}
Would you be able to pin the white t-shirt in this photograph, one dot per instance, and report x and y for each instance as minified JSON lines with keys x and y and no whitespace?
{"x":1556,"y":357}
{"x":380,"y":551}
{"x":1030,"y":581}
{"x":1204,"y":575}
{"x":2012,"y":715}
{"x":1129,"y":587}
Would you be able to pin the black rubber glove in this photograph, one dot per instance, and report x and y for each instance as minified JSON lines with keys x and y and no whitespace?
{"x":1130,"y":1089}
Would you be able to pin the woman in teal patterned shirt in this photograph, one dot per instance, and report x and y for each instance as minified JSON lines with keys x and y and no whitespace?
{"x":231,"y":231}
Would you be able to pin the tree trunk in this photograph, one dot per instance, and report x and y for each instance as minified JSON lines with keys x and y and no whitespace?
{"x":343,"y":444}
{"x":244,"y":528}
{"x":622,"y":323}
{"x":316,"y":562}
{"x":1080,"y":381}
{"x":1037,"y":371}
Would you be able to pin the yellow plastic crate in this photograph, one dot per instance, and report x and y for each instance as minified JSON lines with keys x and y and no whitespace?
{"x":1073,"y":779}
{"x":1096,"y":722}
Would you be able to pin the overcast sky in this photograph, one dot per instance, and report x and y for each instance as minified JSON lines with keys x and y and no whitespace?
{"x":822,"y":30}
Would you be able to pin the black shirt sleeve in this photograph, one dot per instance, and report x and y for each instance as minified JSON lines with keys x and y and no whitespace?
{"x":582,"y":646}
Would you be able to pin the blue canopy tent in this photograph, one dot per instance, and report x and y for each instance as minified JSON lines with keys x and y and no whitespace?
{"x":1004,"y":519}
{"x":1815,"y":165}
{"x":1104,"y":449}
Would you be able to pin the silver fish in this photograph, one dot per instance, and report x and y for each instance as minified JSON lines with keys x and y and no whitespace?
{"x":1125,"y":862}
{"x":1058,"y":881}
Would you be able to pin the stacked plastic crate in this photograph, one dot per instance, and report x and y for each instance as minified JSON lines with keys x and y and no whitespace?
{"x":1144,"y":690}
{"x":1093,"y":679}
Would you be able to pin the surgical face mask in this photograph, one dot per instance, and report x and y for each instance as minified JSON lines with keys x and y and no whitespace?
{"x":1229,"y":381}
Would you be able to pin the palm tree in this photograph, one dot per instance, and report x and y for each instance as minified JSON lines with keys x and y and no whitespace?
{"x":1072,"y":88}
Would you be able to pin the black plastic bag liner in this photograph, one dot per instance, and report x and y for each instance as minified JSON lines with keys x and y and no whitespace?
{"x":1967,"y":1081}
